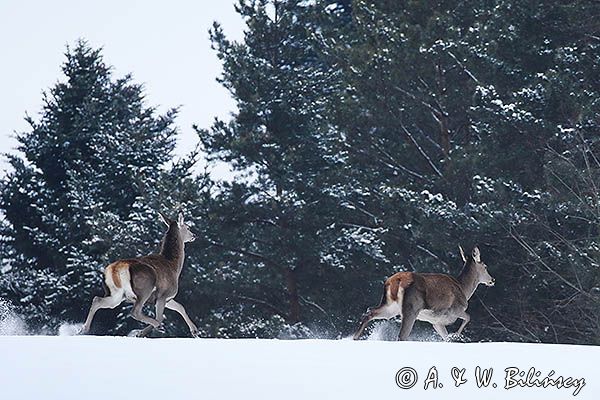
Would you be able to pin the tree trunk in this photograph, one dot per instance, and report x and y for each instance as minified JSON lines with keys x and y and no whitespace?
{"x":294,"y":299}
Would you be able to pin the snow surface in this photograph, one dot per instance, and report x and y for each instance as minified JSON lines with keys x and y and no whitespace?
{"x":87,"y":367}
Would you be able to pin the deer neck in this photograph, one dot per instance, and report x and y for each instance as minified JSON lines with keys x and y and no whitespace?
{"x":468,"y":279}
{"x":172,"y":248}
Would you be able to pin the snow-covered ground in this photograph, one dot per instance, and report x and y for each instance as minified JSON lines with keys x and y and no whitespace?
{"x":46,"y":367}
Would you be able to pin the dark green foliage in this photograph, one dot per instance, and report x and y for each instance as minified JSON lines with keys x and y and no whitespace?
{"x":93,"y":175}
{"x":369,"y":137}
{"x":275,"y":226}
{"x":423,"y":126}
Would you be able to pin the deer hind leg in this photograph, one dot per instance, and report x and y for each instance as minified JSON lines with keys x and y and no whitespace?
{"x":137,"y":314}
{"x":409,"y":317}
{"x":161,"y":304}
{"x":367,"y":317}
{"x":98,"y":303}
{"x":159,"y":315}
{"x":143,"y":285}
{"x":175,"y":306}
{"x":385,"y":311}
{"x":412,"y":304}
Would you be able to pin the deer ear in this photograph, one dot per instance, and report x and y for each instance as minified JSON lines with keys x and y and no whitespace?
{"x":164,"y":219}
{"x":180,"y":219}
{"x":476,"y":254}
{"x":462,"y":253}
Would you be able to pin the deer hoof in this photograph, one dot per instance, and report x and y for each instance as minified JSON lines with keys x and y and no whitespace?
{"x":140,"y":333}
{"x":135,"y":333}
{"x":457,"y":337}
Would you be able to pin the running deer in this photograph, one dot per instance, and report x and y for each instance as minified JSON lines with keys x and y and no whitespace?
{"x":439,"y":299}
{"x":148,"y":279}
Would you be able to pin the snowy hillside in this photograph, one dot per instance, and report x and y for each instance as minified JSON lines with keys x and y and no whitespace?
{"x":90,"y":368}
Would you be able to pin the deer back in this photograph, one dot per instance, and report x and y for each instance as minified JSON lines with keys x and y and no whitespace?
{"x":440,"y":291}
{"x":164,"y":270}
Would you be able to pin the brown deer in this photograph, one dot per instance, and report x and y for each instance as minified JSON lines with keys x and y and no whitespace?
{"x":149,"y":279}
{"x":439,"y":299}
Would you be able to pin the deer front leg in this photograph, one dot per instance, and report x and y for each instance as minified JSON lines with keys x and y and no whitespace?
{"x":160,"y":309}
{"x":441,"y":330}
{"x":466,"y":318}
{"x":143,"y":333}
{"x":175,"y":306}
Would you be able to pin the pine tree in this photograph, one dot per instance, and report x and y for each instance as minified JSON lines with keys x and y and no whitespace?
{"x":275,"y":225}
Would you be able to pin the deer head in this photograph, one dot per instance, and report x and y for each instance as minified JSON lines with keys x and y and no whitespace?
{"x":184,"y":231}
{"x":479,"y":267}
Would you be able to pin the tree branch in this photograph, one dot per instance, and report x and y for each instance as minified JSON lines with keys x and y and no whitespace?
{"x":534,"y":254}
{"x":264,"y":303}
{"x":247,"y":253}
{"x":464,"y":68}
{"x":420,"y":149}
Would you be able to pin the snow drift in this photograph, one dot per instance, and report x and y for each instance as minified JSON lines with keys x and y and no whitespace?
{"x":42,"y":367}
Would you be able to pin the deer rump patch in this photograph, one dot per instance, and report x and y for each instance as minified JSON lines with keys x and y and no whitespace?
{"x":118,"y":278}
{"x":115,"y":271}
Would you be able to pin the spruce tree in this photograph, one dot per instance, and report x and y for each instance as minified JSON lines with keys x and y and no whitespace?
{"x":84,"y":189}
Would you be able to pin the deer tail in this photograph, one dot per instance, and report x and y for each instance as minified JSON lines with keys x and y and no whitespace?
{"x":106,"y":289}
{"x":118,"y":278}
{"x":385,"y":294}
{"x":395,"y":285}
